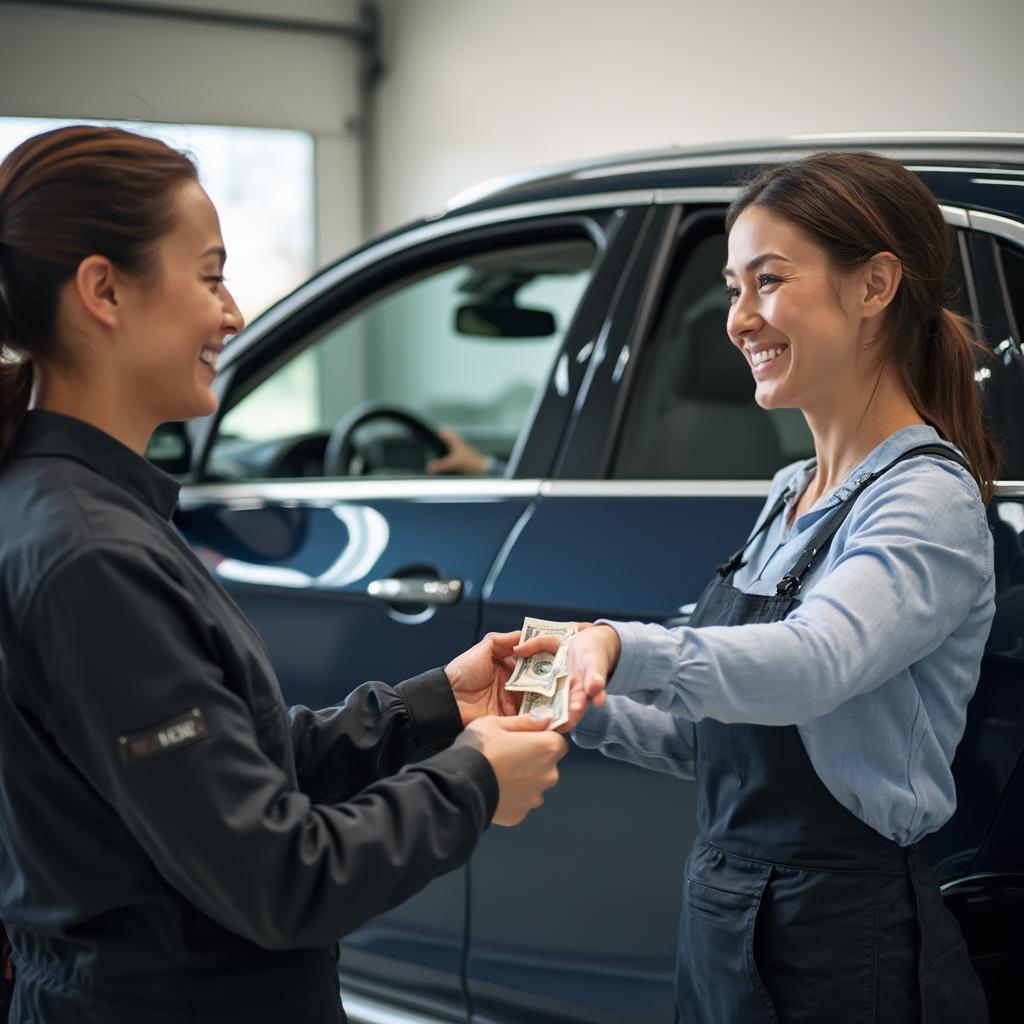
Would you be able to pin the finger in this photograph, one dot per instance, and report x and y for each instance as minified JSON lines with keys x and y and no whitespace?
{"x":502,"y":644}
{"x":443,"y":465}
{"x":577,"y":707}
{"x":593,"y":683}
{"x":525,"y":723}
{"x":538,"y":643}
{"x":509,"y":702}
{"x":577,"y":695}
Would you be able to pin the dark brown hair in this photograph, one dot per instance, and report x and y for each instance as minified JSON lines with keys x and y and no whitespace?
{"x":856,"y":205}
{"x":65,"y":195}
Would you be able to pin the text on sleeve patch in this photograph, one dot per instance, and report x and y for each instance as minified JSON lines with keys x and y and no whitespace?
{"x":186,"y":728}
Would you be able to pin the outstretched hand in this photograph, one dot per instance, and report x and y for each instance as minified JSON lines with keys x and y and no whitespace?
{"x":591,"y":658}
{"x":478,"y":676}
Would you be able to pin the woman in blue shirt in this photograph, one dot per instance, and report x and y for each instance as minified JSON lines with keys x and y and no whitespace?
{"x":821,"y":688}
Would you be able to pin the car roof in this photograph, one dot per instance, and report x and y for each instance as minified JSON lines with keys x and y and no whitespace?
{"x":940,"y":158}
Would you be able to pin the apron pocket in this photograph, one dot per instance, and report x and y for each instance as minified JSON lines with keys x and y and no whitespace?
{"x":718,"y":981}
{"x":951,"y":992}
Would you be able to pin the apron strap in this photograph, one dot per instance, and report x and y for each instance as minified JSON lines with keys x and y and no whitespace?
{"x":791,"y":583}
{"x":735,"y":561}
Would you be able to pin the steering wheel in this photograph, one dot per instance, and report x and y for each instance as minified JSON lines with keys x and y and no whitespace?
{"x":342,"y":449}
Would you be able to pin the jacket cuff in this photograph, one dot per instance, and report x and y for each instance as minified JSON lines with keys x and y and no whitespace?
{"x":465,"y":762}
{"x":432,"y":709}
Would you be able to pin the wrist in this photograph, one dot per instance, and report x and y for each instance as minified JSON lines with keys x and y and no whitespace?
{"x":612,"y":643}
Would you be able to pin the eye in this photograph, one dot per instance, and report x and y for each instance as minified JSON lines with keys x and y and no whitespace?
{"x":732,"y":291}
{"x":215,"y":279}
{"x":764,"y":280}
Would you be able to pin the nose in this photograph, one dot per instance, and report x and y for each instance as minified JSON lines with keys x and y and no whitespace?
{"x":232,"y":321}
{"x":744,"y":317}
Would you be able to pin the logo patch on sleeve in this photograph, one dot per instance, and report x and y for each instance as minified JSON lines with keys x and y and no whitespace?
{"x":178,"y":732}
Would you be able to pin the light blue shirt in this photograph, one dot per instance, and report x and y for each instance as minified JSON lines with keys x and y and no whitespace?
{"x":875,"y":666}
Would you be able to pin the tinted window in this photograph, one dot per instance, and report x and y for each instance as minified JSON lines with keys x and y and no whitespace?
{"x":1013,"y":275}
{"x":1002,"y":377}
{"x":692,"y":413}
{"x":465,"y":346}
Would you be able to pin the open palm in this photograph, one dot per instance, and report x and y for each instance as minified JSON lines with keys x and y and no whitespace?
{"x":479,"y":675}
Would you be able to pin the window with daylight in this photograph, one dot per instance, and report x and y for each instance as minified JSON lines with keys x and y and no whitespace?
{"x":261,"y":181}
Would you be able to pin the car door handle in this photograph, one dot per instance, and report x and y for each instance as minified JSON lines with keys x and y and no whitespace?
{"x":412,"y":590}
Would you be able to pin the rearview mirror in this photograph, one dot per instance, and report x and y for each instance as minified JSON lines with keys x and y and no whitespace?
{"x":503,"y":320}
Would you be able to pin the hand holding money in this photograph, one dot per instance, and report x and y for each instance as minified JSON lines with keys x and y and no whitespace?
{"x":478,"y":676}
{"x":583,"y":657}
{"x":542,"y":677}
{"x":524,"y":757}
{"x":589,"y":663}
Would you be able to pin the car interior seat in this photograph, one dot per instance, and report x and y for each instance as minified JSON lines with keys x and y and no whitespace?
{"x":709,"y":427}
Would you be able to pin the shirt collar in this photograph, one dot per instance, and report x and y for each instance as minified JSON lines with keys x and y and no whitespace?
{"x":44,"y":433}
{"x":892,"y":447}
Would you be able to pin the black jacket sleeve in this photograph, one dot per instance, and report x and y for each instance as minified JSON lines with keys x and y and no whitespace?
{"x":114,"y":651}
{"x":377,"y":729}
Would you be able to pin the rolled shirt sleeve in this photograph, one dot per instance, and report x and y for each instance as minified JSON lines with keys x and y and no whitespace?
{"x":113,"y":649}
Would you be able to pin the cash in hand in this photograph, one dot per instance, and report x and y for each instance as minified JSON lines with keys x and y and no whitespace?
{"x":543,"y":678}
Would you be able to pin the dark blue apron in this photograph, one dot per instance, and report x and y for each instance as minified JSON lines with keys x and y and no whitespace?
{"x":795,"y":911}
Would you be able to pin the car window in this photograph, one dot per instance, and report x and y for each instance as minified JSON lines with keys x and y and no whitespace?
{"x":1012,"y":259}
{"x":692,"y":414}
{"x":465,"y":346}
{"x":1002,"y":376}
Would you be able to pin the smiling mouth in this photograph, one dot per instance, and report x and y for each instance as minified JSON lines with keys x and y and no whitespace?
{"x":766,"y":355}
{"x":209,"y":356}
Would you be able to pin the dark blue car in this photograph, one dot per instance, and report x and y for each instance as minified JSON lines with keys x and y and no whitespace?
{"x":572,"y":326}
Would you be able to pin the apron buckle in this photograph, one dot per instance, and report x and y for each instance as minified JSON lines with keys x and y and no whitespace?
{"x":788,"y":586}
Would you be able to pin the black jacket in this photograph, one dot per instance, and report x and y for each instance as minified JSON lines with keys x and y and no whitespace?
{"x":174,"y":843}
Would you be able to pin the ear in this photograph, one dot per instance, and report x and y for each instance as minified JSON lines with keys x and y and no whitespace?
{"x":881,"y":276}
{"x":97,"y":287}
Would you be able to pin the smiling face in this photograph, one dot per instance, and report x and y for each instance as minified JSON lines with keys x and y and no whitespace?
{"x":176,"y":322}
{"x":794,"y":317}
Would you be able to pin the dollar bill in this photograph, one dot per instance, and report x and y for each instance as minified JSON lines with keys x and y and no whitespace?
{"x":557,"y":705}
{"x":559,"y":666}
{"x":536,"y":674}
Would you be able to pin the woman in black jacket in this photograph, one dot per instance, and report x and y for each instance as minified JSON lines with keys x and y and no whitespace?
{"x":175,"y":844}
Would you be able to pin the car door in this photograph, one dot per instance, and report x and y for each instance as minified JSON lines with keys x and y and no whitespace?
{"x":369,"y":568}
{"x":631,"y":526}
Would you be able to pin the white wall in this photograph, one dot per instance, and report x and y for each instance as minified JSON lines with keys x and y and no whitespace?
{"x":475,"y":88}
{"x":61,"y":62}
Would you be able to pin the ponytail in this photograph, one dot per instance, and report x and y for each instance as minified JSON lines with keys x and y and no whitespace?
{"x":15,"y":391}
{"x":15,"y":373}
{"x":942,"y":386}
